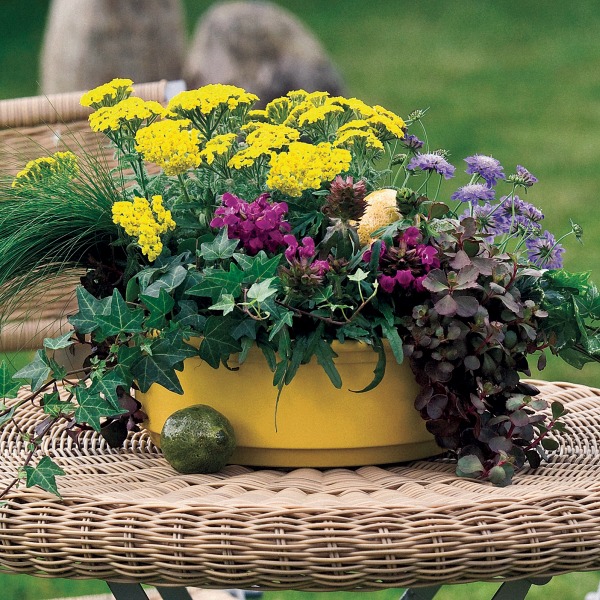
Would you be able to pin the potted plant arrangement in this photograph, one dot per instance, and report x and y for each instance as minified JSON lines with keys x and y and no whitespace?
{"x":277,"y":251}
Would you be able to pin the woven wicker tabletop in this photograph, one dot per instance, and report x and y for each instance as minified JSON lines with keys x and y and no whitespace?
{"x":126,"y":515}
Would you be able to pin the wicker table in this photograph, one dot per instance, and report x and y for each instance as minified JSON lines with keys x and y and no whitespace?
{"x":125,"y":516}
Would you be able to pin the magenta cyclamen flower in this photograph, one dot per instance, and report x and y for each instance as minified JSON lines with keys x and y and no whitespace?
{"x":544,"y":251}
{"x":487,"y":167}
{"x":432,"y":162}
{"x":259,"y":225}
{"x":474,"y":192}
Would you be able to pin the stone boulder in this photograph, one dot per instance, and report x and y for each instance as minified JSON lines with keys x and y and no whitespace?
{"x":260,"y":47}
{"x":89,"y":42}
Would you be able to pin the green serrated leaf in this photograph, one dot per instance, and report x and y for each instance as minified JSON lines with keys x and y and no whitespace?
{"x":44,"y":475}
{"x":8,"y":386}
{"x":379,"y":370}
{"x":37,"y":371}
{"x":395,"y":341}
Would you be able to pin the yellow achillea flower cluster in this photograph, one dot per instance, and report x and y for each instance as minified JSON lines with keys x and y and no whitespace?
{"x":59,"y":165}
{"x":108,"y":94}
{"x":381,"y":210}
{"x":263,"y":140}
{"x":218,"y":146}
{"x":130,"y":112}
{"x":210,"y":97}
{"x":305,"y":166}
{"x":170,"y":144}
{"x":318,"y":113}
{"x":145,"y":221}
{"x":351,"y":137}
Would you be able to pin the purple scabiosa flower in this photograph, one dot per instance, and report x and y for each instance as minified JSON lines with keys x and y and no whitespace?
{"x":259,"y":225}
{"x":522,"y":177}
{"x":521,"y":214}
{"x":412,"y":142}
{"x":432,"y":162}
{"x":473,"y":192}
{"x":487,"y":167}
{"x":491,"y":220}
{"x":544,"y":251}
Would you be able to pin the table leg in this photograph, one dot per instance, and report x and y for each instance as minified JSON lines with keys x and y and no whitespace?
{"x":127,"y":591}
{"x":517,"y":590}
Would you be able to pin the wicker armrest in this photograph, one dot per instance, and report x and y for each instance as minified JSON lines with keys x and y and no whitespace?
{"x":38,"y":126}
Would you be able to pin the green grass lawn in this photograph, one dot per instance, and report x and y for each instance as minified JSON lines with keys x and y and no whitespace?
{"x":517,"y":79}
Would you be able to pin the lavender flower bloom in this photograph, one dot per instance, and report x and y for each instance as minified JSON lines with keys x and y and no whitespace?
{"x":522,"y":177}
{"x":490,"y":220}
{"x":487,"y":167}
{"x":412,"y":142}
{"x":544,"y":251}
{"x":473,"y":192}
{"x":432,"y":162}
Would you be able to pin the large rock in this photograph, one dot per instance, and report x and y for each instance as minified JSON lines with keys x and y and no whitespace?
{"x":89,"y":42}
{"x":260,"y":47}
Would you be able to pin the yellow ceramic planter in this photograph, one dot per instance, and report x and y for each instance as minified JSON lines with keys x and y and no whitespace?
{"x":317,"y":425}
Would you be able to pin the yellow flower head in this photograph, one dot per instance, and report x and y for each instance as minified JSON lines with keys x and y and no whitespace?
{"x":357,"y":107}
{"x":387,"y":122}
{"x":210,"y":97}
{"x":170,"y":144}
{"x":305,"y":166}
{"x":128,"y":113}
{"x":318,"y":113}
{"x":218,"y":146}
{"x":108,"y":94}
{"x":382,"y":210}
{"x":269,"y":136}
{"x":61,"y":165}
{"x":354,"y":124}
{"x":145,"y":221}
{"x":351,"y":137}
{"x":246,"y":157}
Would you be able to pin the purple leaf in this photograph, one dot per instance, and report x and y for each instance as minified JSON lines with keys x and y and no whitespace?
{"x":460,"y":260}
{"x":466,"y":306}
{"x":446,"y":306}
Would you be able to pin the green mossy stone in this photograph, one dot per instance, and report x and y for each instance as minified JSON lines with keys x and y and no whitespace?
{"x":197,"y":439}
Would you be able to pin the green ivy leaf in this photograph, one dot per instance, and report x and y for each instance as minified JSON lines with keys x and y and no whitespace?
{"x":226,"y":303}
{"x":90,"y":308}
{"x":259,"y":267}
{"x":54,"y":406}
{"x":219,"y":282}
{"x":108,"y":382}
{"x":159,"y":306}
{"x":37,"y":371}
{"x":62,"y":341}
{"x":92,"y":407}
{"x":262,"y":290}
{"x":246,"y":328}
{"x":121,"y":318}
{"x":44,"y":475}
{"x":221,"y":247}
{"x":218,"y":342}
{"x":8,"y":386}
{"x":172,"y":279}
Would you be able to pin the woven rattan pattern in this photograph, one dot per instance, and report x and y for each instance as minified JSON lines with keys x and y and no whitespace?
{"x":126,"y":515}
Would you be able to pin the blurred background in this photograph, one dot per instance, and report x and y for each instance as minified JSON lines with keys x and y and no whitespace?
{"x":515,"y":79}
